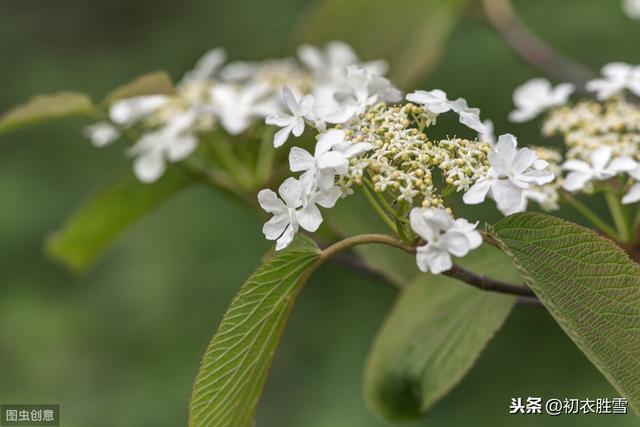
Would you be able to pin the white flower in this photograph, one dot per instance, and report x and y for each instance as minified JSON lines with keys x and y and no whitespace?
{"x":296,"y":209}
{"x":618,"y":76}
{"x":331,"y":64}
{"x":631,"y":8}
{"x":172,"y":142}
{"x":365,"y":88}
{"x":101,"y":134}
{"x":126,"y":112}
{"x":600,"y":167}
{"x":331,"y":157}
{"x":237,"y":106}
{"x":206,"y":66}
{"x":512,"y":171}
{"x":437,"y":102}
{"x":444,"y":237}
{"x":290,"y":123}
{"x":536,"y":96}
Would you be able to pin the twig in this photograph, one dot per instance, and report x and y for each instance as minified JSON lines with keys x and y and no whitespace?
{"x":531,"y":48}
{"x":456,"y":272}
{"x":487,"y":284}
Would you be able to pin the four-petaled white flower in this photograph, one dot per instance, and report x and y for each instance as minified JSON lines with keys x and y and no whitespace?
{"x":364,"y":88}
{"x":331,"y":157}
{"x":206,"y":67}
{"x":444,"y":237}
{"x":631,"y":8}
{"x":617,"y":76}
{"x":437,"y":102}
{"x":512,"y":172}
{"x":290,"y":123}
{"x":298,"y":208}
{"x":601,"y":166}
{"x":537,"y":96}
{"x":172,"y":142}
{"x":101,"y":134}
{"x":236,"y":106}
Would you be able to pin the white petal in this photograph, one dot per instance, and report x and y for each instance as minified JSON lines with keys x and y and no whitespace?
{"x":439,"y":261}
{"x":420,"y":225}
{"x":328,"y":198}
{"x":477,"y":193}
{"x":149,"y":166}
{"x":506,"y":194}
{"x":633,"y":195}
{"x":622,"y":164}
{"x":181,"y":147}
{"x":309,"y":217}
{"x":328,"y":140}
{"x":274,"y":228}
{"x":332,"y":159}
{"x":290,"y":101}
{"x":270,"y":202}
{"x":472,"y":121}
{"x":456,"y":243}
{"x":281,"y":137}
{"x":300,"y":160}
{"x":286,"y":238}
{"x":575,"y":181}
{"x":291,"y":192}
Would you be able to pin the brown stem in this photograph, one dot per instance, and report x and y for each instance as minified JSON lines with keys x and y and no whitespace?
{"x":531,"y":48}
{"x":456,"y":272}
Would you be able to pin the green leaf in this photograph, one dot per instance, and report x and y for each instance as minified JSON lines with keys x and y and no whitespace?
{"x":433,"y":336}
{"x":97,"y":224}
{"x":236,"y":363}
{"x":590,"y":286}
{"x":46,"y":107}
{"x":410,"y":35}
{"x":156,"y":83}
{"x":354,"y":216}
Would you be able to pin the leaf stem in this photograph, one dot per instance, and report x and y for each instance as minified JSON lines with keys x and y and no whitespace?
{"x":619,"y":215}
{"x":590,"y":215}
{"x":376,"y":206}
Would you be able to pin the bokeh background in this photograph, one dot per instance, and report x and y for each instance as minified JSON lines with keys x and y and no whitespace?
{"x":121,"y":345}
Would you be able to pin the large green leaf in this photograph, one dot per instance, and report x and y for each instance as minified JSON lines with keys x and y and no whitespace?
{"x":156,"y":83}
{"x":94,"y":227}
{"x":410,"y":34}
{"x":590,"y":286}
{"x":236,"y":363}
{"x":46,"y":107}
{"x":433,"y":336}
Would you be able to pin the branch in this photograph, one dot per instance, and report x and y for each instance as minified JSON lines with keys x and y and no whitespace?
{"x":531,"y":48}
{"x":456,"y":272}
{"x":487,"y":284}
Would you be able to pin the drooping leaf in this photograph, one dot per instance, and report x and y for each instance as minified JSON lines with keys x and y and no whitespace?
{"x":156,"y":83}
{"x":99,"y":222}
{"x":236,"y":363}
{"x":590,"y":286}
{"x":353,"y":216}
{"x":433,"y":336}
{"x":46,"y":107}
{"x":411,"y":35}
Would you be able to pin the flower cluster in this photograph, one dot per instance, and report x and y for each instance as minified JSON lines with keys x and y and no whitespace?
{"x":385,"y":147}
{"x":601,"y":136}
{"x":325,"y":86}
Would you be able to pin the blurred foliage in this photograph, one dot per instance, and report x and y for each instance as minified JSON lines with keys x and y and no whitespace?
{"x":121,"y":346}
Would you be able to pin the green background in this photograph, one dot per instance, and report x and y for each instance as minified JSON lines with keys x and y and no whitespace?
{"x":121,"y":345}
